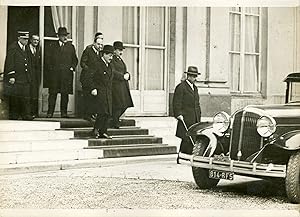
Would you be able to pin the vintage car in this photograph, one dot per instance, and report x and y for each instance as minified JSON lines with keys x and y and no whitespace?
{"x":258,"y":141}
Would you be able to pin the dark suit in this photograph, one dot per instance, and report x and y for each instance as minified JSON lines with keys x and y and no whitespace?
{"x":88,"y":62}
{"x":121,"y":93}
{"x":62,"y":58}
{"x":186,"y":103}
{"x":101,"y":80}
{"x":36,"y":78}
{"x":18,"y":65}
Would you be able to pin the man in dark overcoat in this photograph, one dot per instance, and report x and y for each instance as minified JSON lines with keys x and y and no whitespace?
{"x":186,"y":107}
{"x":100,"y":86}
{"x":62,"y":64}
{"x":17,"y":78}
{"x":121,"y":93}
{"x":35,"y":57}
{"x":88,"y":62}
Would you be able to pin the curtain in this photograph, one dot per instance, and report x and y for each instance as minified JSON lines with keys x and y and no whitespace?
{"x":62,"y":17}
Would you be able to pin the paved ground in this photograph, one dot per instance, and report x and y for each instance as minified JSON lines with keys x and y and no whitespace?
{"x":149,"y":185}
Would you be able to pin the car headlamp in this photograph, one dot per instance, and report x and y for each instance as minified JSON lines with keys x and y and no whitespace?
{"x":266,"y":126}
{"x":221,"y":122}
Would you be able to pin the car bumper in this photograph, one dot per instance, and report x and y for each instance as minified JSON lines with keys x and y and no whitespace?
{"x":238,"y":167}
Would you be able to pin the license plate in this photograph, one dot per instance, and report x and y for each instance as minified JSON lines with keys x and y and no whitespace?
{"x":216,"y":174}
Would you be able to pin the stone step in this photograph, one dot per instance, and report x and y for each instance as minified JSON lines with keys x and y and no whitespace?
{"x":77,"y":122}
{"x":28,"y":146}
{"x":123,"y":146}
{"x":10,"y":125}
{"x":49,"y":156}
{"x":87,"y":131}
{"x":125,"y":141}
{"x":35,"y":135}
{"x":138,"y":151}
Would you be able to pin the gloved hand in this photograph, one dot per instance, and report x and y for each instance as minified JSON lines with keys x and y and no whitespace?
{"x":180,"y":117}
{"x":12,"y":80}
{"x":94,"y":92}
{"x":126,"y":76}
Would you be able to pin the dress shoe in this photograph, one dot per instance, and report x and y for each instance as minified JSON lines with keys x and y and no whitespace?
{"x":49,"y":115}
{"x":103,"y":136}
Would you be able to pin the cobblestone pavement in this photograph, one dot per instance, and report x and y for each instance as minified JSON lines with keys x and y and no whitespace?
{"x":147,"y":185}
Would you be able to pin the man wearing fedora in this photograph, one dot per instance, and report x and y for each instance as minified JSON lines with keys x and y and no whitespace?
{"x":99,"y":83}
{"x":88,"y":62}
{"x":18,"y":78}
{"x":121,"y":93}
{"x":62,"y":64}
{"x":186,"y":108}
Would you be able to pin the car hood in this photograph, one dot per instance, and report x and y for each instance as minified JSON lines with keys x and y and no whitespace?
{"x":291,"y":110}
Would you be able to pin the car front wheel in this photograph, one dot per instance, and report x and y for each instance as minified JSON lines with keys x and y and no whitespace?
{"x":292,"y":181}
{"x":201,"y":176}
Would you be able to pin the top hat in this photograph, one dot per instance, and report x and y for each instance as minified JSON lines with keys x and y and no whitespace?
{"x":108,"y":49}
{"x":62,"y":31}
{"x":23,"y":34}
{"x":118,"y":45}
{"x":192,"y":70}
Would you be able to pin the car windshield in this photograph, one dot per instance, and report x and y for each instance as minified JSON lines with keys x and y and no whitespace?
{"x":295,"y":92}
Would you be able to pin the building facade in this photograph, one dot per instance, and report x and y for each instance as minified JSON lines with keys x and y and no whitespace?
{"x":243,"y":53}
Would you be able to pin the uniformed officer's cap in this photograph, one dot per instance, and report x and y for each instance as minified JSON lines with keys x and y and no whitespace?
{"x":23,"y":34}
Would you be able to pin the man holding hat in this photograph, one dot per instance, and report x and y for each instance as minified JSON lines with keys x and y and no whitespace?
{"x":17,"y":78}
{"x":62,"y":62}
{"x":186,"y":108}
{"x":121,"y":93}
{"x":99,"y":83}
{"x":88,"y":62}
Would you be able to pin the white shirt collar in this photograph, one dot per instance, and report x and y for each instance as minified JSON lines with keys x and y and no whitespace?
{"x":190,"y":84}
{"x":97,"y":52}
{"x":104,"y":61}
{"x":60,"y":43}
{"x":21,"y":45}
{"x":32,"y":48}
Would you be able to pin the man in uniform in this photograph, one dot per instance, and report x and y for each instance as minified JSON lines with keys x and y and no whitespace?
{"x":17,"y":78}
{"x":36,"y":72}
{"x":90,"y":56}
{"x":100,"y":86}
{"x":121,"y":93}
{"x":62,"y":64}
{"x":186,"y":108}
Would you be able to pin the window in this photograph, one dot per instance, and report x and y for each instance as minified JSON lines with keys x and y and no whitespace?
{"x":245,"y":51}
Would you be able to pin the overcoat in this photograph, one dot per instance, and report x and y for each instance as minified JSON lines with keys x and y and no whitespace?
{"x":35,"y":59}
{"x":17,"y":65}
{"x":186,"y":103}
{"x":61,"y":59}
{"x":121,"y":92}
{"x":101,"y":80}
{"x":88,"y":63}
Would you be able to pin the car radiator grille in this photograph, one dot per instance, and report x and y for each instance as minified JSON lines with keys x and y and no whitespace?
{"x":250,"y":141}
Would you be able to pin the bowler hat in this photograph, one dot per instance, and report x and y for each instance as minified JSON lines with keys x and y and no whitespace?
{"x":118,"y":45}
{"x":192,"y":70}
{"x":23,"y":34}
{"x":108,"y":49}
{"x":62,"y":31}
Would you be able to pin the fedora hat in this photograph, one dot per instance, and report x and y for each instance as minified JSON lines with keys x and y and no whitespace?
{"x":192,"y":70}
{"x":62,"y":31}
{"x":23,"y":34}
{"x":118,"y":45}
{"x":108,"y":49}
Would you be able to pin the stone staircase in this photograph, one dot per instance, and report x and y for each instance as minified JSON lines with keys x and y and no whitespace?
{"x":57,"y":140}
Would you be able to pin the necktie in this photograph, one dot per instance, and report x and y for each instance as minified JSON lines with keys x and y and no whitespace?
{"x":23,"y":48}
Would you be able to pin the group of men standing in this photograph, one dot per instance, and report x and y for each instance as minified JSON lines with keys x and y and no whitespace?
{"x":104,"y":79}
{"x":22,"y":76}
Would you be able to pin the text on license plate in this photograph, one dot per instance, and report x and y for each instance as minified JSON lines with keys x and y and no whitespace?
{"x":216,"y":174}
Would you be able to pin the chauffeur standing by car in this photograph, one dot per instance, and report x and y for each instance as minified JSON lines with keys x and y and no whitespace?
{"x":186,"y":108}
{"x":18,"y":78}
{"x":63,"y":61}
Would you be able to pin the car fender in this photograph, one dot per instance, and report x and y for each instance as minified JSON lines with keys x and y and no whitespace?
{"x":289,"y":141}
{"x":208,"y":132}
